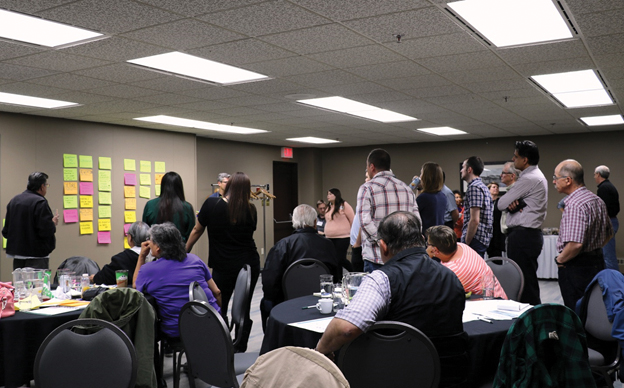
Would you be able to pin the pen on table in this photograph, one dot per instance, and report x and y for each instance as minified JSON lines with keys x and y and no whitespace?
{"x":308,"y":307}
{"x":484,"y":319}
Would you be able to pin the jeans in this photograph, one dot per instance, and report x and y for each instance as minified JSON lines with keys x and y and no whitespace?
{"x":478,"y":247}
{"x":369,"y":266}
{"x":610,"y":257}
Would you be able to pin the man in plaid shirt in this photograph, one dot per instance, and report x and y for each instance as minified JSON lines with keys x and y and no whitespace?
{"x":585,"y":228}
{"x":478,"y":219}
{"x":380,"y":196}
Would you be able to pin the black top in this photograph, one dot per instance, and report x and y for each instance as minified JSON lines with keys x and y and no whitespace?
{"x":123,"y":260}
{"x":609,"y":194}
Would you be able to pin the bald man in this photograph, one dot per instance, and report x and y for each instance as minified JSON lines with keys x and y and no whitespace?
{"x":585,"y":228}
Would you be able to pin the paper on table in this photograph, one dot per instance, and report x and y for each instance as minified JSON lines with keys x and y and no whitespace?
{"x":512,"y":305}
{"x":54,"y":310}
{"x":316,"y":325}
{"x":487,"y":309}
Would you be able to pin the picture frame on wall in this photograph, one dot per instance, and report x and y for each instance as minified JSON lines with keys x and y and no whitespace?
{"x":491,"y":173}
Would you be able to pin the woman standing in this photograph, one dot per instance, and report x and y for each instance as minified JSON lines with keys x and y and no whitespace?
{"x":171,"y":206}
{"x":231,"y":221}
{"x":338,"y":221}
{"x":431,"y":201}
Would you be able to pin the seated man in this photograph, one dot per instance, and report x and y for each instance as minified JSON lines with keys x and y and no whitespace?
{"x":304,"y":243}
{"x":411,"y":288}
{"x":469,"y":267}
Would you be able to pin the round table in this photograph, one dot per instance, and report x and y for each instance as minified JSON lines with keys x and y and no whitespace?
{"x":486,"y":339}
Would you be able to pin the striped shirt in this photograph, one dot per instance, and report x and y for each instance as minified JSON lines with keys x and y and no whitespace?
{"x":585,"y":220}
{"x":478,"y":195}
{"x":382,"y":195}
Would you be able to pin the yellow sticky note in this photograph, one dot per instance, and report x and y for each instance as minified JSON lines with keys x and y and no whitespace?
{"x":158,"y":178}
{"x":129,"y":217}
{"x":70,"y":187}
{"x":104,"y":180}
{"x":130,"y":203}
{"x":105,"y":163}
{"x":70,"y":160}
{"x":146,"y":179}
{"x":86,"y":175}
{"x":126,"y":245}
{"x":70,"y":202}
{"x":86,"y":161}
{"x":4,"y":240}
{"x":129,"y":164}
{"x":86,"y":214}
{"x":70,"y":174}
{"x":157,"y":190}
{"x":159,"y":167}
{"x":104,"y":198}
{"x":144,"y":192}
{"x":104,"y":225}
{"x":86,"y":227}
{"x":86,"y":201}
{"x":129,"y":191}
{"x":146,"y":166}
{"x":104,"y":211}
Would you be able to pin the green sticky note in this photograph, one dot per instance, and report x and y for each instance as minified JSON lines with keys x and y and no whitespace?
{"x":104,"y":211}
{"x":104,"y":198}
{"x":4,"y":240}
{"x":146,"y":179}
{"x":146,"y":166}
{"x":70,"y":174}
{"x":157,"y":190}
{"x":86,"y":161}
{"x":70,"y":202}
{"x":105,"y":163}
{"x":70,"y":160}
{"x":159,"y":166}
{"x":129,"y":165}
{"x":104,"y":180}
{"x":144,"y":192}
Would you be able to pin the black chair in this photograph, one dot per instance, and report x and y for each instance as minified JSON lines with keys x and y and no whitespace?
{"x":301,"y":278}
{"x":196,"y":292}
{"x":509,"y":275}
{"x":404,"y":354}
{"x":104,"y":358}
{"x":208,"y":345}
{"x":240,"y":322}
{"x":79,"y":265}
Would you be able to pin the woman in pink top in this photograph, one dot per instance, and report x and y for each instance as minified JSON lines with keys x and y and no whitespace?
{"x":338,"y":220}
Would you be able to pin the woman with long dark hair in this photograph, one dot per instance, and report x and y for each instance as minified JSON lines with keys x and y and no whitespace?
{"x":431,"y":201}
{"x":338,"y":221}
{"x":171,"y":206}
{"x":231,"y":221}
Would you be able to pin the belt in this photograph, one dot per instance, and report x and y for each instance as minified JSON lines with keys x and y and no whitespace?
{"x":522,"y":228}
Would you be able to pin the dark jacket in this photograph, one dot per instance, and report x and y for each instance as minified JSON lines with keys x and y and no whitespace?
{"x":28,"y":226}
{"x":123,"y":260}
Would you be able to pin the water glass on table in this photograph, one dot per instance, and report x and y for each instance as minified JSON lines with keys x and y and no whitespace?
{"x":487,"y":286}
{"x":327,"y":285}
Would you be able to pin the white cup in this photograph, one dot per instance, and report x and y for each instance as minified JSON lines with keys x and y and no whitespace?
{"x":325,"y":306}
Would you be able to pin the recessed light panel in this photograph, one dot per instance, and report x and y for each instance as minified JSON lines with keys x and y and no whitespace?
{"x":34,"y":30}
{"x":442,"y":131}
{"x":513,"y":22}
{"x":37,"y":102}
{"x":575,"y":89}
{"x":344,"y":105}
{"x":603,"y":120}
{"x":177,"y":121}
{"x":196,"y":67}
{"x":313,"y":140}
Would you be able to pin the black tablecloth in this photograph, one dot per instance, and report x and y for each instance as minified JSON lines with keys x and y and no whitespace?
{"x":486,"y":339}
{"x":20,"y":338}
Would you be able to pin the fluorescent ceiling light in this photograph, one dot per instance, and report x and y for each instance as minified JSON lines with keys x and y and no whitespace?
{"x":575,"y":89}
{"x":30,"y":29}
{"x":344,"y":105}
{"x":514,"y":22}
{"x":170,"y":120}
{"x":603,"y":120}
{"x":18,"y":99}
{"x":200,"y":68}
{"x":313,"y":140}
{"x":442,"y":131}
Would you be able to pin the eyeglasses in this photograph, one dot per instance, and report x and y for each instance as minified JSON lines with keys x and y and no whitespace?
{"x":506,"y":173}
{"x":47,"y":185}
{"x":555,"y":177}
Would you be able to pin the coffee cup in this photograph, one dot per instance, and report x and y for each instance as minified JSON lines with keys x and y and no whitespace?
{"x":121,"y":276}
{"x":325,"y":306}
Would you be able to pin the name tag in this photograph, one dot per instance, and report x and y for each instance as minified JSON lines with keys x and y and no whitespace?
{"x":319,"y":223}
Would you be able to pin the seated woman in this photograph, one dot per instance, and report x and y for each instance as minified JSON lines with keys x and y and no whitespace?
{"x":167,"y":278}
{"x":137,"y":233}
{"x":469,"y":267}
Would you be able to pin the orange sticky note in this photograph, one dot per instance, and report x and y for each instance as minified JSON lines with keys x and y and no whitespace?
{"x":86,"y":175}
{"x":70,"y":188}
{"x":129,"y":191}
{"x":86,"y":214}
{"x":130,"y":203}
{"x":158,"y":178}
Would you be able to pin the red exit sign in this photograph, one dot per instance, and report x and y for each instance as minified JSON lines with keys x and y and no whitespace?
{"x":287,"y":153}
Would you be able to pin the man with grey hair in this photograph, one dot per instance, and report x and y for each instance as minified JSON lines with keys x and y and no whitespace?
{"x":508,"y":177}
{"x":609,"y":194}
{"x":222,"y":180}
{"x":304,"y":243}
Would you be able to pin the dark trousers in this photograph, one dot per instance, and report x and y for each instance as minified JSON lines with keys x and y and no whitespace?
{"x":43,"y":263}
{"x":576,"y":274}
{"x":524,"y":246}
{"x":478,"y":246}
{"x":356,"y":259}
{"x":342,"y":245}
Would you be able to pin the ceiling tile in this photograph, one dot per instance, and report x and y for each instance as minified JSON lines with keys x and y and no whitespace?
{"x":443,"y":90}
{"x":120,"y":72}
{"x":357,"y":56}
{"x":325,"y":78}
{"x":57,"y":61}
{"x":543,"y":52}
{"x":609,"y":44}
{"x":439,"y":45}
{"x":10,"y":50}
{"x":123,"y":91}
{"x":17,"y":72}
{"x":170,"y":84}
{"x":242,"y":52}
{"x":601,"y":23}
{"x":31,"y":7}
{"x":352,"y":9}
{"x":199,"y":7}
{"x":346,"y":90}
{"x":116,"y":49}
{"x":587,"y":6}
{"x":71,"y":81}
{"x":389,"y":70}
{"x":462,"y":62}
{"x":558,"y":66}
{"x":287,"y":66}
{"x":317,"y":39}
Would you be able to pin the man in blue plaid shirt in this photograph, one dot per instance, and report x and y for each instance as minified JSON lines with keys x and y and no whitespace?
{"x":477,"y":231}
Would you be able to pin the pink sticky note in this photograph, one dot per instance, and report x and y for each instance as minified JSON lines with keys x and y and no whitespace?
{"x":126,"y":227}
{"x":104,"y":238}
{"x":130,"y":179}
{"x":86,"y":188}
{"x":70,"y":215}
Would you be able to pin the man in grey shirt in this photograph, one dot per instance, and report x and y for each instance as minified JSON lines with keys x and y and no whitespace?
{"x":451,"y":214}
{"x":526,"y":201}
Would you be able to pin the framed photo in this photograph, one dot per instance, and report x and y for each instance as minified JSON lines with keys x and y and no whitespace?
{"x":491,"y":173}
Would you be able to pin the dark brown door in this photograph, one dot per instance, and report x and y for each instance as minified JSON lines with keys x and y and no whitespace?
{"x":285,"y":190}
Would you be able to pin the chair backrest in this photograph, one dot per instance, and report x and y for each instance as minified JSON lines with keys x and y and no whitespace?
{"x":509,"y":276}
{"x":402,"y":352}
{"x":79,"y":265}
{"x":597,"y":322}
{"x":301,"y":278}
{"x":208,"y":345}
{"x":105,"y":358}
{"x":241,"y":302}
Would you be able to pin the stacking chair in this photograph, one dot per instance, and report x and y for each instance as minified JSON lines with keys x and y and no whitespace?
{"x":509,"y":275}
{"x":405,"y":355}
{"x":104,"y":358}
{"x":301,"y":278}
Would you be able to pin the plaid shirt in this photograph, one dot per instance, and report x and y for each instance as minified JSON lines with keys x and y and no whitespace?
{"x":585,"y":220}
{"x":478,"y":195}
{"x":371,"y":301}
{"x":382,"y":195}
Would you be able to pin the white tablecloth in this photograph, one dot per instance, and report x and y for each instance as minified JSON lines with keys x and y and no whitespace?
{"x":547,"y":269}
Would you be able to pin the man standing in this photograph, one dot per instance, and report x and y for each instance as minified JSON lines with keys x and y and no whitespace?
{"x":30,"y":226}
{"x":222,"y":180}
{"x":526,"y":203}
{"x":585,"y":228}
{"x":609,"y":194}
{"x":509,"y":176}
{"x":380,"y":196}
{"x":451,"y":214}
{"x":321,"y":208}
{"x":478,"y":207}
